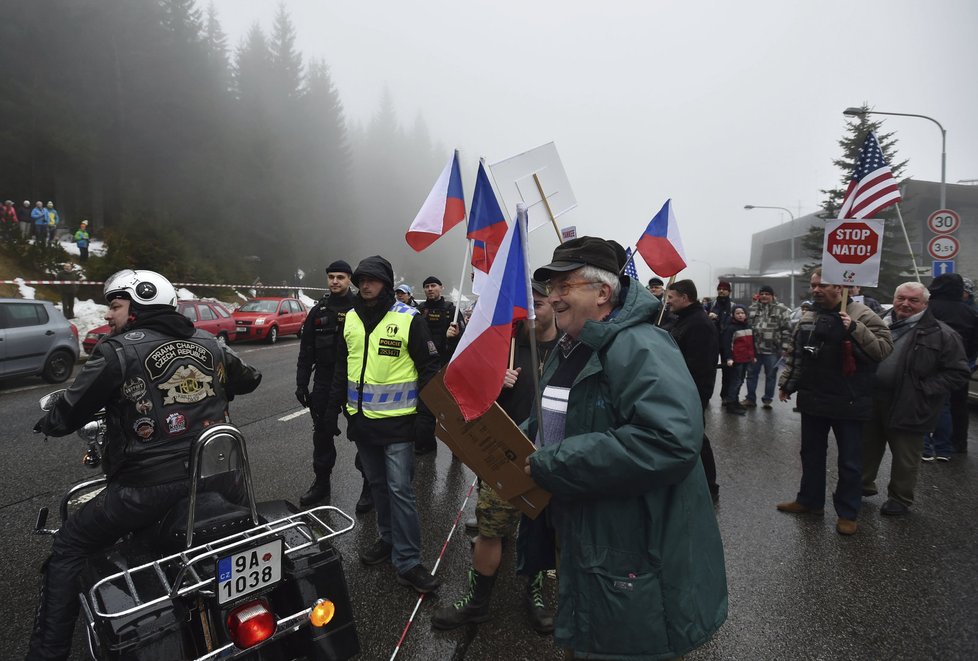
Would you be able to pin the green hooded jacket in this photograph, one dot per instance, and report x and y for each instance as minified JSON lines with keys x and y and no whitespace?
{"x":641,"y":561}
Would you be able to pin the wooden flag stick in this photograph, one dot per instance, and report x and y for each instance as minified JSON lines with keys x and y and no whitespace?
{"x":546,"y":203}
{"x":662,"y":310}
{"x":461,"y":281}
{"x":913,"y":260}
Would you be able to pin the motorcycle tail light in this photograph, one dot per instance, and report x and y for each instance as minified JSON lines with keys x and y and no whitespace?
{"x":322,"y":612}
{"x":251,"y":623}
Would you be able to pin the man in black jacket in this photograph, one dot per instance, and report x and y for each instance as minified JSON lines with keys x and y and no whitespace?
{"x":161,"y":382}
{"x":444,"y":329}
{"x":911,"y":386}
{"x":699,"y":343}
{"x":947,"y":304}
{"x":317,"y":356}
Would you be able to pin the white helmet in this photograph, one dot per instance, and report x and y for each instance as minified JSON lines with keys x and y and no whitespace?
{"x":141,"y":287}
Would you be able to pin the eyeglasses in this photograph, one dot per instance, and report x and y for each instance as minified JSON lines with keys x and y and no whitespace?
{"x":563,"y":288}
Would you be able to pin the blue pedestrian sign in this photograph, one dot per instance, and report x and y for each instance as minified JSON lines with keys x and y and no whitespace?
{"x":942,"y":266}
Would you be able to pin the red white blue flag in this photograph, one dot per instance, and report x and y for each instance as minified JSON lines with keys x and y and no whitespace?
{"x":630,"y":270}
{"x":487,"y":227}
{"x":474,"y":375}
{"x":872,"y":187}
{"x":661,"y":246}
{"x":442,"y":210}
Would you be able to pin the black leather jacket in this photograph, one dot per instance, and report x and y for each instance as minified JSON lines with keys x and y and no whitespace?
{"x":161,"y":382}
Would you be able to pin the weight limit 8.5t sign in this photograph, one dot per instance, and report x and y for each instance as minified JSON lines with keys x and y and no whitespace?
{"x":851,"y":252}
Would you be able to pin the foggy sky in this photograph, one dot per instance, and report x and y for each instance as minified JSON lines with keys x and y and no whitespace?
{"x":713,"y":104}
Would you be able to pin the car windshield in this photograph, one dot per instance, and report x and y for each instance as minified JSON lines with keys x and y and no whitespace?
{"x":259,"y":306}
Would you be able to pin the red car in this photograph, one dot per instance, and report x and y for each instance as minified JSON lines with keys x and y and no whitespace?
{"x":268,"y":317}
{"x":210,"y":316}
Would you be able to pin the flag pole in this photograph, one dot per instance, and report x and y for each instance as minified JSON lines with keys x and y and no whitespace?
{"x":906,"y":237}
{"x":662,"y":308}
{"x":531,"y":316}
{"x":621,"y":271}
{"x":461,"y":279}
{"x":546,"y":203}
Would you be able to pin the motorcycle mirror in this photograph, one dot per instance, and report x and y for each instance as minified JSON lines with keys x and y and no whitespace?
{"x":48,"y":401}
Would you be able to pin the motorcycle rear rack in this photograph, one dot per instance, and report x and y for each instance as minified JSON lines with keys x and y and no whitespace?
{"x":304,"y":523}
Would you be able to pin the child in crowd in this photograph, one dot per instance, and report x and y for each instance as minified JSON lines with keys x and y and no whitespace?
{"x":736,"y":352}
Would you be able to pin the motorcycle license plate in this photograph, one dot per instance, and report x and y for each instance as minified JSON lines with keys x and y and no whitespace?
{"x":248,"y":571}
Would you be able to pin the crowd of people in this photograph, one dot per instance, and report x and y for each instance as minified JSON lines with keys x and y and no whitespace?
{"x":39,"y":224}
{"x":618,"y":445}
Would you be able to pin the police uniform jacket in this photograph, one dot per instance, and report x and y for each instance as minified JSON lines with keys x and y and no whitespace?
{"x":161,"y":382}
{"x":439,"y":315}
{"x":320,"y":333}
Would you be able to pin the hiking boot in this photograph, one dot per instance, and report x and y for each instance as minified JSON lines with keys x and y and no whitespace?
{"x":736,"y":409}
{"x":749,"y":403}
{"x":794,"y":507}
{"x":366,"y":501}
{"x":541,"y":618}
{"x":319,"y":491}
{"x":419,"y":578}
{"x":767,"y":403}
{"x":379,"y":552}
{"x":472,"y":607}
{"x":846,"y":526}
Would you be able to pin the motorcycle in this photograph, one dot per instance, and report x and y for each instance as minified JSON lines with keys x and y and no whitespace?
{"x":212,"y":579}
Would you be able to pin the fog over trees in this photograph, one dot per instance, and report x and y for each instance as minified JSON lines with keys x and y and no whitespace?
{"x":205,"y":160}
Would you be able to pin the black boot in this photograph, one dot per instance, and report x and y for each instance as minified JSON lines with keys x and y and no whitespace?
{"x":366,"y":501}
{"x":473,"y":607}
{"x":319,"y":491}
{"x":541,"y":618}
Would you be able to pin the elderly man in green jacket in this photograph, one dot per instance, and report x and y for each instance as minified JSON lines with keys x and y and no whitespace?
{"x":641,"y":561}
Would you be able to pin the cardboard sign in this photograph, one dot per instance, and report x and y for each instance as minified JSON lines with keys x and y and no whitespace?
{"x":514,"y":178}
{"x":851,"y":252}
{"x":492,"y":446}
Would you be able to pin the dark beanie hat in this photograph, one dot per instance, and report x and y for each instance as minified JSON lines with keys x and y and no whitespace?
{"x":339,"y":266}
{"x":767,"y":289}
{"x":375,"y":267}
{"x":431,"y":280}
{"x":655,"y":282}
{"x":723,"y":284}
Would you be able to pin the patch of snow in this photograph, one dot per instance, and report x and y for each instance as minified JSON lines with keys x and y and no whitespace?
{"x":184,"y":294}
{"x":25,"y":291}
{"x":308,"y":302}
{"x":95,"y":246}
{"x":88,"y":315}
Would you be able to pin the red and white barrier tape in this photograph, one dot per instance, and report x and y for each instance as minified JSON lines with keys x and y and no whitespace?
{"x":175,"y":284}
{"x":434,"y":570}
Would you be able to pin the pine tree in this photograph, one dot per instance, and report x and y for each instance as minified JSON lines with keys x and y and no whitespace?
{"x":286,"y":62}
{"x":896,"y":266}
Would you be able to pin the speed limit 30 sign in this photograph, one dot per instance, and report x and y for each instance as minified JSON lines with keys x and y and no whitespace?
{"x":944,"y":221}
{"x":943,"y":247}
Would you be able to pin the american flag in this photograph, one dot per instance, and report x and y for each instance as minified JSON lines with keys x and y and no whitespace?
{"x":872,"y":187}
{"x":630,"y":265}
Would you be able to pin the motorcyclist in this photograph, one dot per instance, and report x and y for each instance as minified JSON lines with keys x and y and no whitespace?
{"x":161,"y":382}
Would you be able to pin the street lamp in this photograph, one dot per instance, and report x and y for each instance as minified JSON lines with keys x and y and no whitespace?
{"x":791,"y":236}
{"x":859,"y":112}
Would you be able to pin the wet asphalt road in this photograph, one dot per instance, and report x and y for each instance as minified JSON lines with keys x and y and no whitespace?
{"x":901,"y":588}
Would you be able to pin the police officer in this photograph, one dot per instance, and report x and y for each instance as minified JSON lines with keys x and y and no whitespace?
{"x":383,"y":361}
{"x":317,"y":356}
{"x":444,"y":330}
{"x":161,"y":382}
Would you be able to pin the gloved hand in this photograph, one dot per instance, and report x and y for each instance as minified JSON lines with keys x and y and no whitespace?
{"x":302,"y":394}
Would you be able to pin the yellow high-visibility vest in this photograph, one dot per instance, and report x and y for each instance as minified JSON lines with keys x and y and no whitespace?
{"x":383,"y":383}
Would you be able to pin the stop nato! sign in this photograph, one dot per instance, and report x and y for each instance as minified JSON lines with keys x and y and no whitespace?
{"x":852,"y":243}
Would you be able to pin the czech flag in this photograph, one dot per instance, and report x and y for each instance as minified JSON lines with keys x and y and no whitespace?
{"x":443,"y":210}
{"x":474,"y":375}
{"x":661,"y":246}
{"x":487,"y":227}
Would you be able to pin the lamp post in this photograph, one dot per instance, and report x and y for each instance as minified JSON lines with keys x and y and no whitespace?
{"x":859,"y":112}
{"x":791,"y":236}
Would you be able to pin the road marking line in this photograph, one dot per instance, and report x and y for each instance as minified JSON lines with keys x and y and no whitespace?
{"x":292,"y":416}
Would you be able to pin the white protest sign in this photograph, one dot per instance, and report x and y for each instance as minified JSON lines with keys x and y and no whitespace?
{"x":851,"y":252}
{"x":520,"y":179}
